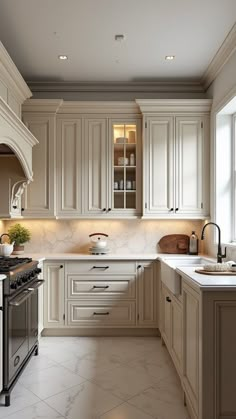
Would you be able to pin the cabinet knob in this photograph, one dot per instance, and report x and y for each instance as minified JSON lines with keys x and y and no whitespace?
{"x":104,"y":209}
{"x":171,"y":209}
{"x":109,"y":209}
{"x":61,"y":266}
{"x":14,"y":206}
{"x":168,"y":299}
{"x":139,"y":266}
{"x":176,"y":209}
{"x":22,"y":209}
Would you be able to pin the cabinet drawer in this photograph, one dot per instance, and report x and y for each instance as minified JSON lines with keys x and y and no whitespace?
{"x":95,"y":313}
{"x":101,"y":267}
{"x":90,"y":287}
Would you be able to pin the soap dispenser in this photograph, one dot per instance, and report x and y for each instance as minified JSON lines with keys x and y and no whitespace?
{"x":193,"y":244}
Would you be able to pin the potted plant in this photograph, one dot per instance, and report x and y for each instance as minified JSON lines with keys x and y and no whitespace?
{"x":19,"y":235}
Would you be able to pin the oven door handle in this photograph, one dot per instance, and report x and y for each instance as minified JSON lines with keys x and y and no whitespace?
{"x":36,"y":285}
{"x":20,"y":299}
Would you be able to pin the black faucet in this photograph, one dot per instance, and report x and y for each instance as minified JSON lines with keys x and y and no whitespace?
{"x":219,"y":253}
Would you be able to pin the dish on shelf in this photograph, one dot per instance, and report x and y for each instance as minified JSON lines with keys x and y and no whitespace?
{"x":121,"y":140}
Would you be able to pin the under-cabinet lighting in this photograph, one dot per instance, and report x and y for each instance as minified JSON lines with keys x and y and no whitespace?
{"x":169,"y":57}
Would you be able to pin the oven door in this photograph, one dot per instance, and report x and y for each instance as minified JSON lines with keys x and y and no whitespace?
{"x":21,"y":331}
{"x":16,"y":342}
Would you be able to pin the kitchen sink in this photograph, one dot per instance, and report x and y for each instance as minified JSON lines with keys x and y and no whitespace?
{"x":171,"y":278}
{"x":187,"y":261}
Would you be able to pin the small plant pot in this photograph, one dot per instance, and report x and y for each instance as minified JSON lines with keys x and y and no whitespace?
{"x":18,"y":250}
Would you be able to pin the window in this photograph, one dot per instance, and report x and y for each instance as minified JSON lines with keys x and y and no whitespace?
{"x":225,"y":172}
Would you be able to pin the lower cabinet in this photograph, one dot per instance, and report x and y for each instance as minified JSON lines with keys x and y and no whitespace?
{"x":171,"y":325}
{"x":191,"y":342}
{"x":100,"y":313}
{"x":97,"y":293}
{"x":54,"y":295}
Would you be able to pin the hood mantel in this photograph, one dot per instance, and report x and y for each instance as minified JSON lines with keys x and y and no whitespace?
{"x":17,"y":136}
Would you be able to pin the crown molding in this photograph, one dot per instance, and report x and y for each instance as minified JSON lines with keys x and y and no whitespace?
{"x":12,"y":77}
{"x":42,"y":105}
{"x":97,"y":107}
{"x":79,"y":107}
{"x":144,"y":87}
{"x":149,"y":106}
{"x":223,"y":54}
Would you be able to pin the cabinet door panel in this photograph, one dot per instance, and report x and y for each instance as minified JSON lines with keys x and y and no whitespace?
{"x":189,"y":165}
{"x":191,"y":345}
{"x":70,"y":167}
{"x":54,"y":298}
{"x":96,"y":171}
{"x":39,"y":195}
{"x":159,"y":165}
{"x":176,"y":334}
{"x":147,"y":295}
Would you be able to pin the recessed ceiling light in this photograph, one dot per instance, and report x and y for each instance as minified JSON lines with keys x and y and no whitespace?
{"x":62,"y":57}
{"x":170,"y":57}
{"x":120,"y":37}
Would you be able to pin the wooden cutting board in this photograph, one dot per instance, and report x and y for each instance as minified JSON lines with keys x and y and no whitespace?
{"x":174,"y":243}
{"x":204,"y":272}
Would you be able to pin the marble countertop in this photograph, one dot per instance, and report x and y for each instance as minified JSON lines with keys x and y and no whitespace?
{"x":208,"y":282}
{"x":85,"y":256}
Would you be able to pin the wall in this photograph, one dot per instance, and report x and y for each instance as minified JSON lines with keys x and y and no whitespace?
{"x":125,"y":236}
{"x":220,"y":90}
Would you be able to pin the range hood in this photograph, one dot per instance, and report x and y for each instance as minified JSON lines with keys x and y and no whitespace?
{"x":17,"y":137}
{"x":16,"y":143}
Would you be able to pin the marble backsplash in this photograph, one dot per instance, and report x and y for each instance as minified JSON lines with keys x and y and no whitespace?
{"x":125,"y":236}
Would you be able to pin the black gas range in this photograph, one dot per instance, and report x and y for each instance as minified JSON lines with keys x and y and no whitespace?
{"x":20,"y":317}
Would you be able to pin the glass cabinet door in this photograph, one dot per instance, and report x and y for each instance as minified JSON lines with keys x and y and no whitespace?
{"x":124,"y":166}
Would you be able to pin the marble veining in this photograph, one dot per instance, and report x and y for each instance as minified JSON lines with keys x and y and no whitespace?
{"x":125,"y":236}
{"x":98,"y":378}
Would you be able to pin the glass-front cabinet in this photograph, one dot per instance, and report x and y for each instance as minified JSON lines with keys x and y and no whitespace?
{"x":126,"y":169}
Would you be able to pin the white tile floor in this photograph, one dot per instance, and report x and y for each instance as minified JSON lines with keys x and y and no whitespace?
{"x":98,"y":378}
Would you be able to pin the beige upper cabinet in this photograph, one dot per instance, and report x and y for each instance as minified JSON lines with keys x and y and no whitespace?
{"x":69,"y":167}
{"x":40,"y":118}
{"x":96,"y":160}
{"x":176,"y":158}
{"x":112,"y":170}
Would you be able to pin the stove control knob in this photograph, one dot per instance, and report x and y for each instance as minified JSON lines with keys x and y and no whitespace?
{"x":25,"y":279}
{"x":19,"y":281}
{"x":13,"y":285}
{"x":38,"y":271}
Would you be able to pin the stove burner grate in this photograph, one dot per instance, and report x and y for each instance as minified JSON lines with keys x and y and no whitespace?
{"x":7,"y":263}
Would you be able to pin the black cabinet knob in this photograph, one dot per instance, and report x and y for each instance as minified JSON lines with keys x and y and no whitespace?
{"x":109,"y":209}
{"x":61,"y":266}
{"x":14,"y":206}
{"x":139,"y":266}
{"x":171,"y":209}
{"x":104,"y":209}
{"x":22,"y":209}
{"x":176,"y":209}
{"x":168,"y":299}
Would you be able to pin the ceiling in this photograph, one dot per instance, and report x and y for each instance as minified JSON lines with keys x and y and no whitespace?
{"x":35,"y":32}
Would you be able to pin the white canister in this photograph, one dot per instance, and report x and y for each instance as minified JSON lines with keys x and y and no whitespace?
{"x":132,"y":160}
{"x":121,"y":184}
{"x":116,"y":185}
{"x":128,"y":184}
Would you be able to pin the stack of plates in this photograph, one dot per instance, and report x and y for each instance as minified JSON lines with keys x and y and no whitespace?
{"x":121,"y":140}
{"x":98,"y":250}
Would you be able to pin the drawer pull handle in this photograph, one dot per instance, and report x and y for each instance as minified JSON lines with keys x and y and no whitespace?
{"x":168,"y":299}
{"x":100,"y":267}
{"x":101,"y":314}
{"x":100,"y":286}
